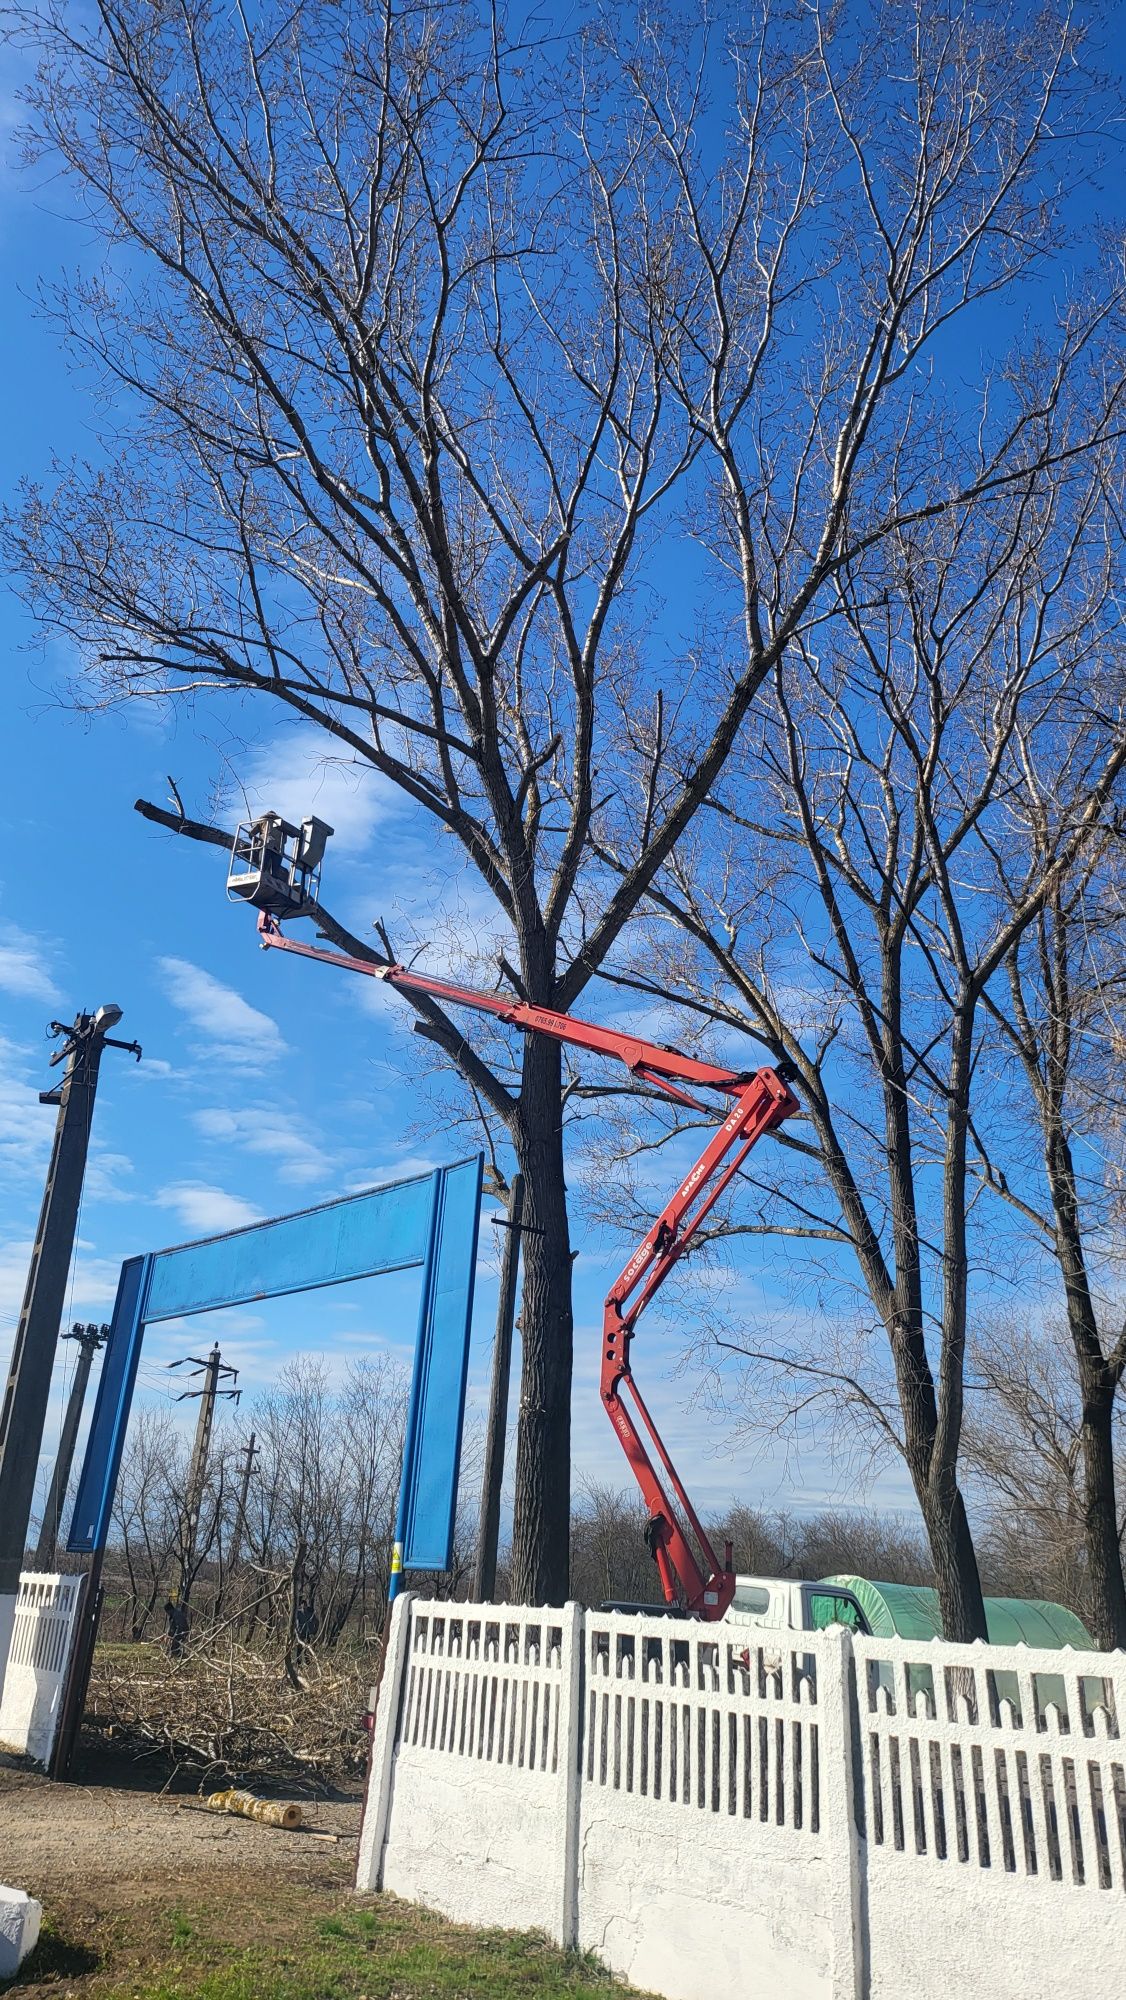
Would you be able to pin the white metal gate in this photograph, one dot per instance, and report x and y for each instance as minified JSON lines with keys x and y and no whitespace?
{"x":47,"y":1610}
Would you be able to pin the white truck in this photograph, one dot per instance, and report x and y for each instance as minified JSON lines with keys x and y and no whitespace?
{"x":777,"y":1604}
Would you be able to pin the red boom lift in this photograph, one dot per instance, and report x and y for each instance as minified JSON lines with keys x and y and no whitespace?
{"x":275,"y":867}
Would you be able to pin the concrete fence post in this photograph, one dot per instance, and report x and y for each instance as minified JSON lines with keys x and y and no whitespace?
{"x":7,"y":1622}
{"x":570,"y":1757}
{"x":838,"y":1815}
{"x":373,"y":1831}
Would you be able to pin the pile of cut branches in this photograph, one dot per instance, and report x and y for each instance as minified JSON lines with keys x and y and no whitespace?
{"x":226,"y":1709}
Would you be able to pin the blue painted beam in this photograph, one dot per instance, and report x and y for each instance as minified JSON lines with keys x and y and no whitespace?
{"x":362,"y":1236}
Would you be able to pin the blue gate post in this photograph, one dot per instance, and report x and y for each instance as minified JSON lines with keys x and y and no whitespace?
{"x":424,"y":1525}
{"x":410,"y":1436}
{"x":93,"y":1506}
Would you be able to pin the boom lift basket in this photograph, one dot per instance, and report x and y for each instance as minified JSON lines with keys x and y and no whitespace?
{"x":276,"y":866}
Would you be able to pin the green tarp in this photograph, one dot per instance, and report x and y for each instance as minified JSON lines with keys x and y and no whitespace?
{"x":910,"y":1611}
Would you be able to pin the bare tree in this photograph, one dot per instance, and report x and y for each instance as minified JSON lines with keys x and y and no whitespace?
{"x":608,"y":1554}
{"x":1062,"y":1017}
{"x":373,"y":1412}
{"x":829,"y":1542}
{"x":147,"y":1507}
{"x":855,"y":922}
{"x":320,"y":1512}
{"x":608,"y":1559}
{"x":322,"y":1503}
{"x":1022,"y":1450}
{"x":417,"y":332}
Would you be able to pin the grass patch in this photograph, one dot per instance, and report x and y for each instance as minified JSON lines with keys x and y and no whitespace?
{"x":182,"y":1930}
{"x":315,"y":1947}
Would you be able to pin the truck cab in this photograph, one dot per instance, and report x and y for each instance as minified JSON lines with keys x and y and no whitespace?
{"x":783,"y":1606}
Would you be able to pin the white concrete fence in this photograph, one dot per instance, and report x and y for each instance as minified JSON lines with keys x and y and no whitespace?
{"x":721,"y":1812}
{"x":32,"y":1683}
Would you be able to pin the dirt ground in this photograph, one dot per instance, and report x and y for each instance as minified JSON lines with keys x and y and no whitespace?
{"x":148,"y":1896}
{"x":122,"y":1843}
{"x":109,"y":1856}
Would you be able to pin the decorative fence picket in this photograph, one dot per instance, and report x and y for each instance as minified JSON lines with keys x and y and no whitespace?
{"x":722,"y":1726}
{"x":994,"y":1786}
{"x":701,"y":1807}
{"x":482,"y":1794}
{"x":485,"y":1688}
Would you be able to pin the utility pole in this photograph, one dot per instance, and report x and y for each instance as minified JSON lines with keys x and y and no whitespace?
{"x":244,"y":1492}
{"x":26,"y":1396}
{"x":488,"y":1529}
{"x":211,"y":1369}
{"x":89,"y":1339}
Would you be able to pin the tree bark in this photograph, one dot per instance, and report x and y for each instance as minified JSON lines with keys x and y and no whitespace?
{"x":1107,"y":1595}
{"x":933,"y":1465}
{"x":1098,"y":1381}
{"x":541,"y":1522}
{"x":955,"y":1563}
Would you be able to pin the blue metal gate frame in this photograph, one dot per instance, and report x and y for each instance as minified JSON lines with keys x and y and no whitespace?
{"x":431,"y":1220}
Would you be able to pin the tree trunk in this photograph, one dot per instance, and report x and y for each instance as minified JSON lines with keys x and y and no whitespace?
{"x":1107,"y":1599}
{"x":541,"y":1525}
{"x":955,"y":1564}
{"x":1097,"y":1386}
{"x":936,"y":1485}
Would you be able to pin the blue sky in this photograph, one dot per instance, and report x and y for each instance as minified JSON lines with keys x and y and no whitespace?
{"x":267,"y":1084}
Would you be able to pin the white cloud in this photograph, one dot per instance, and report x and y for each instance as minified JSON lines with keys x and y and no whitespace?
{"x":209,"y":1209}
{"x":242,"y":1338}
{"x":24,"y":969}
{"x":89,"y":1294}
{"x":238,"y":1031}
{"x":293,"y":776}
{"x":105,"y":1173}
{"x":169,"y":1337}
{"x":153,"y":1069}
{"x":26,"y":1126}
{"x":265,"y":1130}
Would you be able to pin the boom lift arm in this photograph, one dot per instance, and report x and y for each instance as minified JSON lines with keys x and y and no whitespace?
{"x":761,"y":1100}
